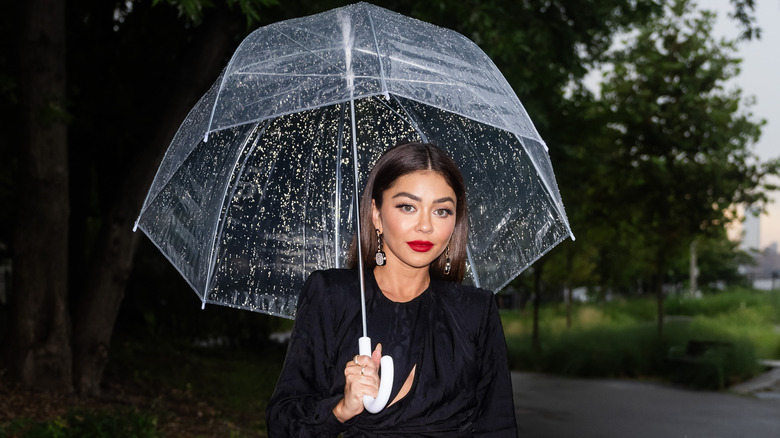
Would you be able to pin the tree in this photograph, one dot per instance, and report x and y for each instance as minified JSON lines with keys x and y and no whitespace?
{"x":42,"y":350}
{"x":115,"y":74}
{"x":718,"y":261}
{"x":127,"y":170}
{"x":677,"y":144}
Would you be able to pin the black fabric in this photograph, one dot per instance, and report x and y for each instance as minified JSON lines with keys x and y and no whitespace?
{"x":395,"y":326}
{"x":451,"y":332}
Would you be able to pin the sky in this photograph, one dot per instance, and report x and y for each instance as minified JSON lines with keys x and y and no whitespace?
{"x":759,"y":77}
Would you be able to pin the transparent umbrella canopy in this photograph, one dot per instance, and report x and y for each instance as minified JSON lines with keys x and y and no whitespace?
{"x":259,"y":186}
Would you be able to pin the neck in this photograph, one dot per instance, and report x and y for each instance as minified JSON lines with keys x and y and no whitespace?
{"x":402,"y":285}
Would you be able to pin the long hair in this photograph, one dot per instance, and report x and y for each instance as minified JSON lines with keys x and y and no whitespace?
{"x":399,"y":161}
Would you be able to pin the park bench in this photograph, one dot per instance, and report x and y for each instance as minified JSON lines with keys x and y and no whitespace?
{"x":699,"y":357}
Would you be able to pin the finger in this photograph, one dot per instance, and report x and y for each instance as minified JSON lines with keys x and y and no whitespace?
{"x":358,"y":362}
{"x":364,"y":375}
{"x":370,"y":386}
{"x":356,"y":372}
{"x":364,"y":361}
{"x":376,"y":356}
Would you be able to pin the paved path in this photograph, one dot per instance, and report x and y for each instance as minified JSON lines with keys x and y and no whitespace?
{"x":557,"y":407}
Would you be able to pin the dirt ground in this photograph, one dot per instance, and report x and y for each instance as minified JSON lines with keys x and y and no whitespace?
{"x":178,"y":414}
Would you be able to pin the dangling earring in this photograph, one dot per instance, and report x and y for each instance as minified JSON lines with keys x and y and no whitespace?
{"x":381,"y":259}
{"x":447,"y":266}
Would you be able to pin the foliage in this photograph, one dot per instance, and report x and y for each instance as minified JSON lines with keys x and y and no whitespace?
{"x":719,"y":259}
{"x":665,"y":155}
{"x":767,"y":304}
{"x":618,"y":339}
{"x":540,"y":47}
{"x":193,"y":10}
{"x":745,"y":16}
{"x":80,"y":423}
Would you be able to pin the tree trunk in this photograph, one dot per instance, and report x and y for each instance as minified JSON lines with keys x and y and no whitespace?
{"x":39,"y":352}
{"x":116,"y":243}
{"x":568,"y":298}
{"x":535,"y":341}
{"x":568,"y":293}
{"x":659,"y":293}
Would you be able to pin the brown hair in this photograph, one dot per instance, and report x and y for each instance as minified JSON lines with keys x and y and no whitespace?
{"x":399,"y":161}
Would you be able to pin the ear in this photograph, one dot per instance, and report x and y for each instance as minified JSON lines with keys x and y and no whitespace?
{"x":376,"y":216}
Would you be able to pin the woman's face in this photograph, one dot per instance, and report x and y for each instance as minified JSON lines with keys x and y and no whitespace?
{"x":416,"y":219}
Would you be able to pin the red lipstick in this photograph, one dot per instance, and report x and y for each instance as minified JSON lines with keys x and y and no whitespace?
{"x":420,"y":245}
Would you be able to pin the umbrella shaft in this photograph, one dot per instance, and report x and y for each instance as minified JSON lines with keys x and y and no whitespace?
{"x":357,"y":208}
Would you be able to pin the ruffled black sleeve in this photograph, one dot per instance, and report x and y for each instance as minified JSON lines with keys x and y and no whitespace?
{"x":307,"y":390}
{"x":496,"y":411}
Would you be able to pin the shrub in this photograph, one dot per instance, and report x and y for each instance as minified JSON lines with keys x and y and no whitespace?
{"x":81,"y":423}
{"x":620,"y":339}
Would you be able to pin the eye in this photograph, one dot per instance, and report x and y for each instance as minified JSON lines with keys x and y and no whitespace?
{"x":443,"y":212}
{"x":406,"y":208}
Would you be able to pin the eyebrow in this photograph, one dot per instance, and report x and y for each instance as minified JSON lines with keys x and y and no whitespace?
{"x":418,"y":199}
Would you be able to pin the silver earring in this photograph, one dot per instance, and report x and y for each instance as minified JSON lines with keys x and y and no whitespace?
{"x":381,"y":259}
{"x":448,"y":265}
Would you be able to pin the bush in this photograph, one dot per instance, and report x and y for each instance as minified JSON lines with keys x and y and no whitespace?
{"x":620,"y":339}
{"x":764,"y":303}
{"x":78,"y":423}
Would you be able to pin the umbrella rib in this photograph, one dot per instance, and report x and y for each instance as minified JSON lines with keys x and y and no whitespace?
{"x":304,"y":210}
{"x":411,"y":120}
{"x":337,"y":215}
{"x":283,"y":57}
{"x":549,"y":190}
{"x":474,"y":273}
{"x":313,"y":52}
{"x":294,"y":75}
{"x":381,"y":78}
{"x":218,"y":231}
{"x":378,"y":57}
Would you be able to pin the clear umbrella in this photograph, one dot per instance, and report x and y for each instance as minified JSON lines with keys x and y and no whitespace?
{"x":260,"y":184}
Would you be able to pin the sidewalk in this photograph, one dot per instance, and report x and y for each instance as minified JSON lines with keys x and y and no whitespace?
{"x":558,"y":407}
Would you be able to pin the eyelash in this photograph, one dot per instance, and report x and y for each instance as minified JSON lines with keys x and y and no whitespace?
{"x":409,"y":207}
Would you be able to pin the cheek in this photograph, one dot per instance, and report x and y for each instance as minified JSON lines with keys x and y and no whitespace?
{"x":393,"y":221}
{"x":446,"y":229}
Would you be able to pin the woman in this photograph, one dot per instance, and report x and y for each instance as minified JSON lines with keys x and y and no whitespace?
{"x":451,"y":375}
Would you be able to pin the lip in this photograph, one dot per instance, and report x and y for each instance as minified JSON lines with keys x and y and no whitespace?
{"x":420,"y":245}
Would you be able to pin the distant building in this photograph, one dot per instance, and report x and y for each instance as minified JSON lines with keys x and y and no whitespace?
{"x":764,"y":274}
{"x":771,"y":259}
{"x":751,"y":231}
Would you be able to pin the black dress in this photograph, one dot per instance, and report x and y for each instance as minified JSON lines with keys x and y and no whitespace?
{"x":451,"y":332}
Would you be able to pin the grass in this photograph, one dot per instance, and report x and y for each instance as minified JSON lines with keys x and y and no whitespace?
{"x":620,"y":338}
{"x":81,"y":423}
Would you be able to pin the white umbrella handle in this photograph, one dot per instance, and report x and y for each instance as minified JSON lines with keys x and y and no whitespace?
{"x":372,"y":404}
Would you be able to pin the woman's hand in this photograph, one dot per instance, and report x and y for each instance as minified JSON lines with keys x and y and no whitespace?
{"x":362,"y":378}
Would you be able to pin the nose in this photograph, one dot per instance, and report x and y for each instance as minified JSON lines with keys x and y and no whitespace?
{"x":424,"y":223}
